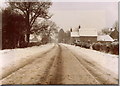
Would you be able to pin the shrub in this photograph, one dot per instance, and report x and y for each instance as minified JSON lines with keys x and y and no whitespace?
{"x":107,"y":47}
{"x":96,"y":46}
{"x":115,"y":48}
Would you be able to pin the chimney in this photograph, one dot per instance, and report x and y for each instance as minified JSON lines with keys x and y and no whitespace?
{"x":79,"y":27}
{"x":111,"y":29}
{"x":71,"y":30}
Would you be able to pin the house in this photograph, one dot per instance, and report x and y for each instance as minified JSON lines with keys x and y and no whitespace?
{"x":84,"y":35}
{"x":88,"y":34}
{"x":75,"y":36}
{"x":104,"y":38}
{"x":115,"y":34}
{"x":34,"y":39}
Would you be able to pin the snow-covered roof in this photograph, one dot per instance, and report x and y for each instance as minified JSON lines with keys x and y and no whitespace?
{"x":84,"y":32}
{"x":75,"y":30}
{"x":104,"y":38}
{"x":75,"y":34}
{"x":87,"y":32}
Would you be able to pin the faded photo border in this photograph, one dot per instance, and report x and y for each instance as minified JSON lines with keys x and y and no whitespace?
{"x":60,"y":85}
{"x":63,"y":1}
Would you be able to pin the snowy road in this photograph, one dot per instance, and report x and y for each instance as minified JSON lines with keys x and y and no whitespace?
{"x":59,"y":64}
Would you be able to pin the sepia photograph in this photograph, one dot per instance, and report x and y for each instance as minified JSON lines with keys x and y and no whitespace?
{"x":51,"y":42}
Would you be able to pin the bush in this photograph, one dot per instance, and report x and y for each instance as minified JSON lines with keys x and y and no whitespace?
{"x":84,"y":44}
{"x":87,"y":45}
{"x":96,"y":46}
{"x":115,"y":48}
{"x":107,"y":47}
{"x":34,"y":44}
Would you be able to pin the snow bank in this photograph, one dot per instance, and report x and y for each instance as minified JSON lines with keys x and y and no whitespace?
{"x":10,"y":56}
{"x":108,"y":61}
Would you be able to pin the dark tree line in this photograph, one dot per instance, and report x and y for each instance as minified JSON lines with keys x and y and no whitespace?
{"x":18,"y":19}
{"x":13,"y":29}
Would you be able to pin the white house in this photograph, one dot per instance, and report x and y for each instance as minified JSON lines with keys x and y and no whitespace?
{"x":84,"y":34}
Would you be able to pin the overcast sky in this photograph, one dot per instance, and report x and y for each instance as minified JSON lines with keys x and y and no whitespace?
{"x":87,"y":14}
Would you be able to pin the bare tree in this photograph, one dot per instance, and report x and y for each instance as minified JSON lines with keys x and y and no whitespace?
{"x":46,"y":29}
{"x":105,"y":31}
{"x":115,"y":25}
{"x":31,"y":11}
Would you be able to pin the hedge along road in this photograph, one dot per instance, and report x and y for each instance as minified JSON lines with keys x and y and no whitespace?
{"x":60,"y":66}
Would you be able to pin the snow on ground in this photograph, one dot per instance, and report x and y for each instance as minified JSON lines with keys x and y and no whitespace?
{"x":108,"y":61}
{"x":11,"y":56}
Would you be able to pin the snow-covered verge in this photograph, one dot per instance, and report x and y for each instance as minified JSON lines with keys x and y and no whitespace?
{"x":12,"y":56}
{"x":108,"y":61}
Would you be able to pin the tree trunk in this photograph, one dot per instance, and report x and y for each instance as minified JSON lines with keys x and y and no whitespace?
{"x":28,"y":36}
{"x":22,"y":42}
{"x":28,"y":28}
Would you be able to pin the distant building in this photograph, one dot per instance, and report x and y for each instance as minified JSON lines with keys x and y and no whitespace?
{"x":104,"y":38}
{"x":84,"y":34}
{"x":115,"y":34}
{"x":34,"y":39}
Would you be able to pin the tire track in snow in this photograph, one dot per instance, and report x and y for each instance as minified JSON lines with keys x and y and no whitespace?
{"x":101,"y":76}
{"x":23,"y":63}
{"x":78,"y":74}
{"x":55,"y":74}
{"x":34,"y":73}
{"x":51,"y":72}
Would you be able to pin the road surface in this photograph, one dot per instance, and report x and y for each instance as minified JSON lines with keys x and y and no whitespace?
{"x":59,"y":65}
